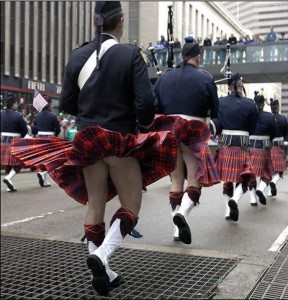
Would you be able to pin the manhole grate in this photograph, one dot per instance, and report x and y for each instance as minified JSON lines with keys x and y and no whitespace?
{"x":274,"y":284}
{"x":45,"y":269}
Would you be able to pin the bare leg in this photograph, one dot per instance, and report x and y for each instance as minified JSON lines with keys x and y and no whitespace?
{"x":127,"y":178}
{"x":96,"y":177}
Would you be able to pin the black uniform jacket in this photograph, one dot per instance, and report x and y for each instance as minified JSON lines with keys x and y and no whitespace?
{"x":236,"y":113}
{"x":12,"y":121}
{"x":188,"y":91}
{"x":282,"y":125}
{"x":266,"y":126}
{"x":46,"y":120}
{"x":116,"y":96}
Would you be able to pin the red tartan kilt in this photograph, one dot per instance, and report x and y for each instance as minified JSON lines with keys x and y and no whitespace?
{"x":195,"y":135}
{"x":32,"y":152}
{"x":156,"y":152}
{"x":262,"y":163}
{"x":234,"y":164}
{"x":278,"y":159}
{"x":7,"y":159}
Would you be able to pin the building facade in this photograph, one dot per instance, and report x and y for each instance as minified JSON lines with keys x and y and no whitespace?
{"x":37,"y":37}
{"x":259,"y":17}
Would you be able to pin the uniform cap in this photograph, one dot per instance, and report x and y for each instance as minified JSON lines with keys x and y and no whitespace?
{"x":47,"y":98}
{"x":259,"y":99}
{"x":10,"y":100}
{"x":190,"y":49}
{"x":274,"y":103}
{"x":107,"y":8}
{"x":234,"y":78}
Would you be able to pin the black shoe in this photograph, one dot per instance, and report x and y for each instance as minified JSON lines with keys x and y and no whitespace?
{"x":262,"y":198}
{"x":273,"y":189}
{"x":41,"y":181}
{"x":9,"y":185}
{"x":100,"y":281}
{"x":117,"y":281}
{"x":254,"y":203}
{"x":176,"y":239}
{"x":184,"y":230}
{"x":234,"y":212}
{"x":144,"y":189}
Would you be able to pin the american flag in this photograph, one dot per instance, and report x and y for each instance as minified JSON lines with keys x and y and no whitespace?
{"x":38,"y":101}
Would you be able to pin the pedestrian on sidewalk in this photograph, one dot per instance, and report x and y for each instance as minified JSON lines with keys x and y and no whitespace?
{"x":185,"y":112}
{"x":237,"y":119}
{"x":13,"y":126}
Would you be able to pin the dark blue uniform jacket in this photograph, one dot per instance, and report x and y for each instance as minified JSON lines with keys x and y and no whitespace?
{"x":12,"y":121}
{"x":116,"y":96}
{"x":282,"y":125}
{"x":187,"y":91}
{"x":46,"y":120}
{"x":236,"y":114}
{"x":266,"y":125}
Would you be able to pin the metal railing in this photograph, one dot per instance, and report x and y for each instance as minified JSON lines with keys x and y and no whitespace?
{"x":240,"y":53}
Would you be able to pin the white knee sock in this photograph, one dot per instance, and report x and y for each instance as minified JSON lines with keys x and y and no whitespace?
{"x":227,"y":208}
{"x":261,"y":187}
{"x":275,"y":178}
{"x":238,"y":193}
{"x":112,"y":275}
{"x":186,"y":206}
{"x":253,"y":197}
{"x":11,"y":174}
{"x":176,"y":229}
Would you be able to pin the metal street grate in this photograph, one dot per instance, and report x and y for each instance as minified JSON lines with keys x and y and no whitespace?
{"x":45,"y":269}
{"x":274,"y":282}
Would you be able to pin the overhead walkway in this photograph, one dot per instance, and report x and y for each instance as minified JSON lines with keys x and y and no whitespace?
{"x":257,"y":63}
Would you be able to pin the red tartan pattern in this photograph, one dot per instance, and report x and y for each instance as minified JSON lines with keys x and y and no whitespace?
{"x":234,"y":164}
{"x":261,"y":163}
{"x":195,"y":135}
{"x":32,"y":152}
{"x":64,"y":160}
{"x":278,"y":159}
{"x":7,"y":159}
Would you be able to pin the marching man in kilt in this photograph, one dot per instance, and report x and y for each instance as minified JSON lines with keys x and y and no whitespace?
{"x":278,"y":148}
{"x":187,"y":96}
{"x":260,"y":145}
{"x":45,"y":125}
{"x":13,"y":126}
{"x":237,"y":119}
{"x":107,"y":87}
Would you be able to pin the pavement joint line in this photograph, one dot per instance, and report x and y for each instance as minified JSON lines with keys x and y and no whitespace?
{"x":280,"y":241}
{"x":155,"y":248}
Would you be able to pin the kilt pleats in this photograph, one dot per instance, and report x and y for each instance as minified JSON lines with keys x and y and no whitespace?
{"x":195,"y":135}
{"x":233,"y":164}
{"x":261,"y":163}
{"x":278,"y":158}
{"x":7,"y":158}
{"x":156,"y":152}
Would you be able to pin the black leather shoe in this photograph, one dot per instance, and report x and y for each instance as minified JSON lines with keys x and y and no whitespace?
{"x":117,"y":281}
{"x":262,"y":198}
{"x":184,"y":230}
{"x":9,"y":185}
{"x":253,"y":204}
{"x":100,"y":281}
{"x":273,"y":189}
{"x":234,"y":212}
{"x":41,"y":181}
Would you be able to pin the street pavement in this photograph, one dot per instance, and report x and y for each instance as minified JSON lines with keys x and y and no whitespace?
{"x":255,"y":239}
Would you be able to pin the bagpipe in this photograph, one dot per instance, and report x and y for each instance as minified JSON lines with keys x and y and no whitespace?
{"x":170,"y":38}
{"x":170,"y":59}
{"x":226,"y":71}
{"x":227,"y":64}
